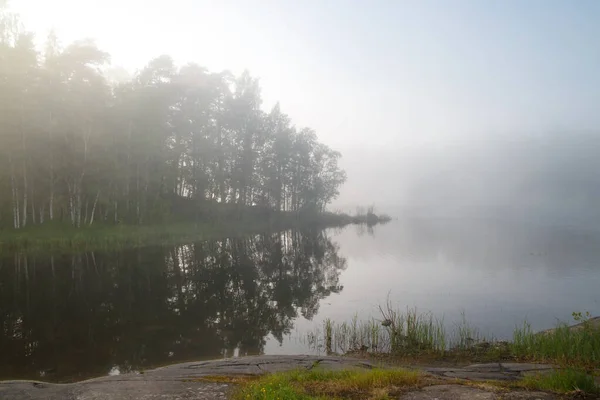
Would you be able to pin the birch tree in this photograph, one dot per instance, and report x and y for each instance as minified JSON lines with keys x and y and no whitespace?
{"x":79,"y":148}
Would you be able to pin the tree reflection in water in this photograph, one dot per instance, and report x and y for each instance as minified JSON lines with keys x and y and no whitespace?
{"x":70,"y":317}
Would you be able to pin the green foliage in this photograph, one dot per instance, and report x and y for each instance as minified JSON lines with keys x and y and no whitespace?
{"x":411,"y":333}
{"x":320,"y":384}
{"x":562,"y":381}
{"x":66,"y":238}
{"x":397,"y":332}
{"x":80,"y":149}
{"x":565,"y":345}
{"x":273,"y":387}
{"x":220,"y":222}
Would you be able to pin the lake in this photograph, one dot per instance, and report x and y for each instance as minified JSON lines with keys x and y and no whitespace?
{"x":70,"y":317}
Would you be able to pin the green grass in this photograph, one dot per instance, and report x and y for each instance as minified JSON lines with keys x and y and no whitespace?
{"x":66,"y":238}
{"x":562,"y":381}
{"x":562,"y":345}
{"x":319,"y":384}
{"x":422,"y":337}
{"x":397,"y":332}
{"x":385,"y":384}
{"x":103,"y":237}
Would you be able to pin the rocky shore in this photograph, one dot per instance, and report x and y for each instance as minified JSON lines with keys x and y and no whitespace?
{"x":200,"y":380}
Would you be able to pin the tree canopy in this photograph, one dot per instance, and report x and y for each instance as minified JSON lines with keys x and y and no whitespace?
{"x":78,"y":147}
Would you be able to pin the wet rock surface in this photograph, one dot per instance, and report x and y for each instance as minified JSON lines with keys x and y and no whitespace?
{"x":185,"y":381}
{"x":180,"y":381}
{"x":490,"y":371}
{"x":460,"y":392}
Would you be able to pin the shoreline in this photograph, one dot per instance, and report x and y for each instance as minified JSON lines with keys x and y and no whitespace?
{"x":290,"y":376}
{"x":228,"y":378}
{"x":66,"y":238}
{"x":484,"y":351}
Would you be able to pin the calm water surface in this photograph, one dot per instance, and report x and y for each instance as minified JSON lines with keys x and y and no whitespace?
{"x":70,"y":317}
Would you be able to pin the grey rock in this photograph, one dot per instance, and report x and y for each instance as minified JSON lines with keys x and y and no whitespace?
{"x":491,"y":371}
{"x":147,"y":390}
{"x":449,"y":392}
{"x":482,"y":376}
{"x":537,"y":372}
{"x":521,"y":367}
{"x":185,"y":381}
{"x":255,"y":365}
{"x":460,"y":392}
{"x":528,"y":396}
{"x":439,"y":370}
{"x":180,"y":381}
{"x":492,"y":367}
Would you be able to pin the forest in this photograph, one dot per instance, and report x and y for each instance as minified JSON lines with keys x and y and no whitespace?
{"x":79,"y":148}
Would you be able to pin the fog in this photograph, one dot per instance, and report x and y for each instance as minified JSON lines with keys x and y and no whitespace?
{"x":468,"y":109}
{"x":550,"y":177}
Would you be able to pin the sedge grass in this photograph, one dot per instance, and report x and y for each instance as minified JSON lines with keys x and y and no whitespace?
{"x":562,"y":381}
{"x":421,"y":335}
{"x":562,"y":345}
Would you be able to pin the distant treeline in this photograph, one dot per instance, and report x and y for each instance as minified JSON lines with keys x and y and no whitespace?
{"x":76,"y":148}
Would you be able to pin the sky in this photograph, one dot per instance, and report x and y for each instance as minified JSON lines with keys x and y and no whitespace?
{"x":381,"y":81}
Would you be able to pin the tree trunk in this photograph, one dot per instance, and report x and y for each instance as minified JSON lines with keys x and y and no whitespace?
{"x":24,"y":166}
{"x":51,"y":206}
{"x":15,"y":204}
{"x":128,"y":176}
{"x":32,"y":207}
{"x":15,"y":196}
{"x":221,"y":162}
{"x":137,"y":188}
{"x":79,"y":205}
{"x":71,"y":205}
{"x":24,"y":195}
{"x":116,"y":212}
{"x":94,"y":208}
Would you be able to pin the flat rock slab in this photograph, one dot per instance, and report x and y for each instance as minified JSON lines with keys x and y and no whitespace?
{"x":185,"y":381}
{"x":109,"y":390}
{"x":459,"y":392}
{"x":257,"y":365}
{"x":180,"y":381}
{"x":491,"y":371}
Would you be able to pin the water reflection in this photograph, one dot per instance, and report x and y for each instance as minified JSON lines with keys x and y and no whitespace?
{"x":69,"y":317}
{"x":482,"y":244}
{"x":498,"y":272}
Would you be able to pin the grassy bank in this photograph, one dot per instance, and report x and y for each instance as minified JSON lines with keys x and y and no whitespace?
{"x":413,"y":338}
{"x":420,"y":337}
{"x":318,"y":384}
{"x":565,"y":381}
{"x":60,"y":237}
{"x":385,"y":384}
{"x":391,"y":383}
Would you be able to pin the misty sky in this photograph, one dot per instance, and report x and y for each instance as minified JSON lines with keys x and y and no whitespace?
{"x":388,"y":83}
